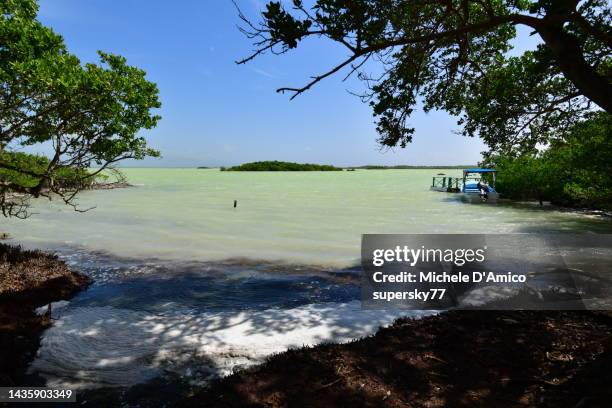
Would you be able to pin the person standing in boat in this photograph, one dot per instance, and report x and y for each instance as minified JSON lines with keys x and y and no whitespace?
{"x":484,"y":189}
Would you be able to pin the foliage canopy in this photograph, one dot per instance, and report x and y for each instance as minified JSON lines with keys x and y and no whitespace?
{"x":576,"y":170}
{"x":453,"y":55}
{"x":89,"y":114}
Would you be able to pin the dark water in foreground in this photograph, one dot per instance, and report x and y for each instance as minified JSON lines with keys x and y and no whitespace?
{"x":160,"y":328}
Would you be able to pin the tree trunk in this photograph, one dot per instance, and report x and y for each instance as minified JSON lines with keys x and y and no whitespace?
{"x":570,"y":59}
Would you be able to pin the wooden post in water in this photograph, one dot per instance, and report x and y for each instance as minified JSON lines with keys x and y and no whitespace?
{"x":235,"y":203}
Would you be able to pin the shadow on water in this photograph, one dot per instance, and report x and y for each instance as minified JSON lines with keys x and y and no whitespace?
{"x":160,"y":328}
{"x":208,"y":293}
{"x":149,"y":332}
{"x":164,"y":355}
{"x":565,"y":220}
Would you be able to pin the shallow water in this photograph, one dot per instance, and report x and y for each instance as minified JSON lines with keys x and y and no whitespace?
{"x":308,"y":218}
{"x":186,"y":284}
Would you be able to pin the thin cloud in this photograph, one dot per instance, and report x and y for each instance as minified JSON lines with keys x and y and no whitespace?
{"x":263,"y":73}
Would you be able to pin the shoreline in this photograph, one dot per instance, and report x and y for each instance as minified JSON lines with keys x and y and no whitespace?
{"x":29,"y":279}
{"x":456,"y":358}
{"x":548,"y":206}
{"x":109,"y":186}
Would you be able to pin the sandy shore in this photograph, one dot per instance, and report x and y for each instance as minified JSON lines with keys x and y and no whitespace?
{"x":28,"y":279}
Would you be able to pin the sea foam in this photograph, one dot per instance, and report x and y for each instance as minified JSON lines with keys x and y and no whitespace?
{"x":106,"y":346}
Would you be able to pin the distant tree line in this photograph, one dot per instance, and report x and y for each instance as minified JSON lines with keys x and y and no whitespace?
{"x":281,"y":166}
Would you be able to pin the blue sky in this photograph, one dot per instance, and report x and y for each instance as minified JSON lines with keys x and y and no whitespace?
{"x":217,"y":113}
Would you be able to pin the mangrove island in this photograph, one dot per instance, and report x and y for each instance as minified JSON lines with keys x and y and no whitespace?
{"x":281,"y":166}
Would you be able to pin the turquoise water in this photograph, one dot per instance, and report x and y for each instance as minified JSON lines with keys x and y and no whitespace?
{"x":188,"y":288}
{"x":313,"y":218}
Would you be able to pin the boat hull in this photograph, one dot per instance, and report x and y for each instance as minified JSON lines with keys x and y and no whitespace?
{"x":475,"y":198}
{"x":445,"y":189}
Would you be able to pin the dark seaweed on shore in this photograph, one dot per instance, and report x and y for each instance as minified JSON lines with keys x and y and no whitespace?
{"x":454,"y":359}
{"x":28,"y":279}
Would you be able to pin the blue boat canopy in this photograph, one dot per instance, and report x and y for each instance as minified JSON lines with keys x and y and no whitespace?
{"x":479,"y":171}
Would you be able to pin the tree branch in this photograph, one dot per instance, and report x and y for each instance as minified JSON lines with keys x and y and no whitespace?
{"x":298,"y":91}
{"x":583,"y":23}
{"x":470,"y":28}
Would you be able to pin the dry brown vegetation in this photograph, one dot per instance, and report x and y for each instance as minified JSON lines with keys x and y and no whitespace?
{"x":28,"y":279}
{"x":455,"y":359}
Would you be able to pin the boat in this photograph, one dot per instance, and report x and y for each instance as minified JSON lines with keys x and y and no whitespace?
{"x":471,"y":193}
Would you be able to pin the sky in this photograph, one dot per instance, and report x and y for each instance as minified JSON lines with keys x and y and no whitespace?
{"x":217,"y":113}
